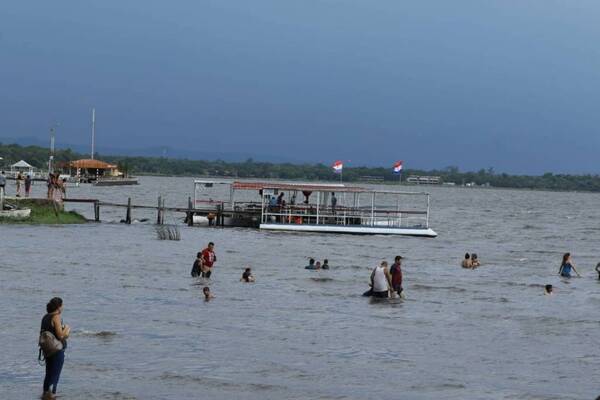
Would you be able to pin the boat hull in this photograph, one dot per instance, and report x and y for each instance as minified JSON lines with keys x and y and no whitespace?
{"x":361,"y":230}
{"x":16,"y":214}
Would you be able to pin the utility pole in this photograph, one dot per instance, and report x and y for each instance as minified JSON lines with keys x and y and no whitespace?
{"x":93,"y":130}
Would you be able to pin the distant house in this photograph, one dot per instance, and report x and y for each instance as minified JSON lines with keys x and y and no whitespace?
{"x":93,"y":168}
{"x":424,"y":180}
{"x":23,"y":167}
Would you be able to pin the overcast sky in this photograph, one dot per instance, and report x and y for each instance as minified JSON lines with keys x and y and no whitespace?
{"x":513,"y":85}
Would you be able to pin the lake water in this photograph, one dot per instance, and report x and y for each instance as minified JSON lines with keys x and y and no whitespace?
{"x":143,"y":331}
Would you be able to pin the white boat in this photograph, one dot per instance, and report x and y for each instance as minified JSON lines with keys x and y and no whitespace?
{"x":311,"y":207}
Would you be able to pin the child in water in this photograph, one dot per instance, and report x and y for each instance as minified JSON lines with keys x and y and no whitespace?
{"x":247,"y":276}
{"x":548,"y":290}
{"x":598,"y":270}
{"x":207,"y":294}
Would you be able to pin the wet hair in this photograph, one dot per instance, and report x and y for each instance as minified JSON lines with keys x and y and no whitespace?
{"x":325,"y":261}
{"x":467,"y":256}
{"x":211,"y":244}
{"x":199,"y":254}
{"x":311,"y":261}
{"x":397,"y":258}
{"x":474,"y":256}
{"x":548,"y":288}
{"x":248,"y":269}
{"x":565,"y":258}
{"x":54,"y":304}
{"x":206,"y":290}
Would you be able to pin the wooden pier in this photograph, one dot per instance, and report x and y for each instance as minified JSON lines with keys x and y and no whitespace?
{"x":215,"y":213}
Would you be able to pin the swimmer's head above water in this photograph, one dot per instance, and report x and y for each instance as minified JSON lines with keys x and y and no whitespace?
{"x":548,"y":289}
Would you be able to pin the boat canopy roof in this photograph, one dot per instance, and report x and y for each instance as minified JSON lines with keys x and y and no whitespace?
{"x":314,"y":187}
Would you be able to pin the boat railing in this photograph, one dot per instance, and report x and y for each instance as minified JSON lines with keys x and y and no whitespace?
{"x":361,"y":216}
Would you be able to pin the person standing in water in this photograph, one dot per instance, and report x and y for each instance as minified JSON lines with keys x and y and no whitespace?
{"x":208,"y":260}
{"x":381,"y":281}
{"x":325,"y":264}
{"x":27,"y":185}
{"x":566,"y":266}
{"x":247,"y":276}
{"x":197,"y":267}
{"x":52,"y":322}
{"x":396,"y":272}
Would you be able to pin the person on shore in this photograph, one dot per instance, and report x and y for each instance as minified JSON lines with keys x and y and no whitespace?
{"x":325,"y":264}
{"x":27,"y":185}
{"x":566,"y":266}
{"x":396,"y":272}
{"x":381,"y":281}
{"x":2,"y":182}
{"x":197,"y":267}
{"x":207,"y":294}
{"x":19,"y":182}
{"x":474,"y":261}
{"x":548,"y":290}
{"x":466,"y":263}
{"x":311,"y":264}
{"x":52,"y":322}
{"x":209,"y":258}
{"x":50,"y":184}
{"x":247,"y":276}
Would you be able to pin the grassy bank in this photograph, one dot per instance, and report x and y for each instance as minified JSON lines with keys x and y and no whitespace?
{"x":43,"y":212}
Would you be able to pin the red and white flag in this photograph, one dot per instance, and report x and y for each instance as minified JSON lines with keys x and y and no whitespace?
{"x":397,"y":167}
{"x":337,"y":167}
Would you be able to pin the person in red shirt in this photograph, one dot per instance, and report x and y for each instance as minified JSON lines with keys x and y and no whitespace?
{"x":396,"y":272}
{"x":208,"y":260}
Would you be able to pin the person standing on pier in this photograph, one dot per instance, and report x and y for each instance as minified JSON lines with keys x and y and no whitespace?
{"x":209,"y":258}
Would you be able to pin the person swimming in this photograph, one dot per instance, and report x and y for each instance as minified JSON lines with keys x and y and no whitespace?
{"x":548,"y":290}
{"x":566,"y":266}
{"x":598,"y":270}
{"x":247,"y":276}
{"x":311,"y":264}
{"x":326,"y":264}
{"x":207,"y":294}
{"x":466,"y":263}
{"x":474,"y":261}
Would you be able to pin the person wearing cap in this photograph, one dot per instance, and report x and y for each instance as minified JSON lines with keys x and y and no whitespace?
{"x":396,"y":272}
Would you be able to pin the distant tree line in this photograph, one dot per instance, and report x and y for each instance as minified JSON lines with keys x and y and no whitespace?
{"x":38,"y":157}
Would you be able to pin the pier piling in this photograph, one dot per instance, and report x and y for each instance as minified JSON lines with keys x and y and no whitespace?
{"x":97,"y":211}
{"x":128,"y":214}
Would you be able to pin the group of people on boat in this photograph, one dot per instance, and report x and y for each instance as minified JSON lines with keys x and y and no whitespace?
{"x":317,"y":265}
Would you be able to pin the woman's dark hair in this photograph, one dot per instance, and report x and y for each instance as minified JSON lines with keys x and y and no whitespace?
{"x":311,"y":261}
{"x":199,"y":255}
{"x":565,"y":258}
{"x":53,"y":305}
{"x":467,"y":256}
{"x":248,"y":269}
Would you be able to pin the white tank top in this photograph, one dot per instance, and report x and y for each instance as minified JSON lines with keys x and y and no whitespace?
{"x":380,"y":283}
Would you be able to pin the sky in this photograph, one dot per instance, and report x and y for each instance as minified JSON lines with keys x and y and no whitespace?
{"x":513,"y":85}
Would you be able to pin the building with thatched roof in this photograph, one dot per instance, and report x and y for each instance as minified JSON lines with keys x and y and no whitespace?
{"x":91,"y":167}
